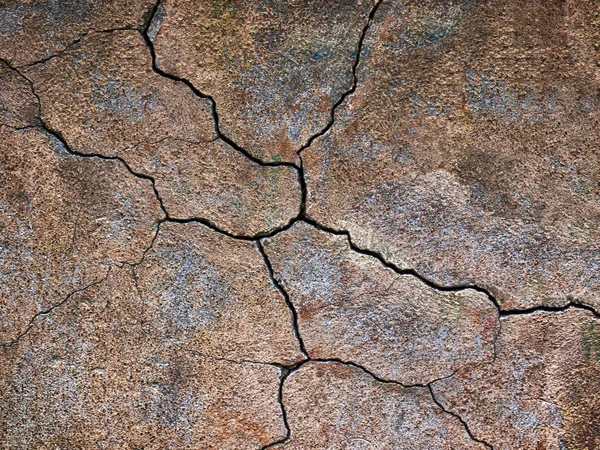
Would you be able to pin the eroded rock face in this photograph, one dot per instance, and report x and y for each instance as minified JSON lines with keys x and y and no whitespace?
{"x":275,"y":69}
{"x":469,"y":151}
{"x":333,"y":406}
{"x":161,"y":129}
{"x":32,"y":30}
{"x":353,"y":308}
{"x":85,"y":376}
{"x":18,"y":105}
{"x":64,"y":220}
{"x":212,"y":294}
{"x":542,"y":389}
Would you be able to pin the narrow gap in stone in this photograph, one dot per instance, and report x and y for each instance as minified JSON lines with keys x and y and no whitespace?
{"x":52,"y":308}
{"x":460,"y":419}
{"x":285,"y":373}
{"x":286,"y":297}
{"x":352,"y":89}
{"x":208,"y":97}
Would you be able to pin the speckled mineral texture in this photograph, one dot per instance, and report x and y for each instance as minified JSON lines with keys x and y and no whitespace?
{"x":162,"y":130}
{"x":543,"y":389}
{"x":64,"y":220}
{"x":470,"y":150}
{"x":334,"y":406}
{"x":212,"y":294}
{"x":33,"y":30}
{"x":353,"y":308}
{"x":274,"y":68}
{"x":86,"y":376}
{"x":18,"y":105}
{"x":329,"y":224}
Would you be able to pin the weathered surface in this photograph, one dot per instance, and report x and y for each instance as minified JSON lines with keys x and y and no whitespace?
{"x":18,"y":105}
{"x":32,"y":30}
{"x":85,"y":376}
{"x":333,"y":406}
{"x":215,"y":182}
{"x":213,"y":294}
{"x":275,"y":69}
{"x":64,"y":220}
{"x":161,"y":129}
{"x":470,"y":150}
{"x":543,"y":389}
{"x":353,"y":308}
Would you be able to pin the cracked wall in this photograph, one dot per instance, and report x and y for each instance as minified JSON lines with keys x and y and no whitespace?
{"x":339,"y":224}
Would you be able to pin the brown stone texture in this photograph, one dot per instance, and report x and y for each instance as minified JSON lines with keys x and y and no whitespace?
{"x":543,"y":389}
{"x":86,"y":376}
{"x":34,"y":30}
{"x":161,"y":129}
{"x":329,"y":224}
{"x":275,"y":69}
{"x":353,"y":308}
{"x":64,"y":220}
{"x":18,"y":107}
{"x":334,"y":406}
{"x":470,"y":149}
{"x":212,"y":294}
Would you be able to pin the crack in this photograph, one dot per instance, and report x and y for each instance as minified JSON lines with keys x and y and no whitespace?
{"x":352,"y":88}
{"x":460,"y":419}
{"x":286,"y":297}
{"x":549,"y":309}
{"x":71,"y":45}
{"x":53,"y":307}
{"x":198,"y":93}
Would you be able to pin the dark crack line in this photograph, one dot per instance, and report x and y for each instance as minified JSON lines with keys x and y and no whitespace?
{"x":285,"y":373}
{"x":286,"y":297}
{"x":53,"y":307}
{"x":460,"y":419}
{"x":208,"y":97}
{"x":354,"y":85}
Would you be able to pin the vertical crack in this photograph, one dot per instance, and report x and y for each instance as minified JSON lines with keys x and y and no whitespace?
{"x":286,"y":297}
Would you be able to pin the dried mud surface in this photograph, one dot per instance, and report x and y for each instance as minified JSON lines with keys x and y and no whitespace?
{"x":336,"y":224}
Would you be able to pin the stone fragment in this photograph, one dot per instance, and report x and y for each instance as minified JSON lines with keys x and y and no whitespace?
{"x":212,"y":294}
{"x":275,"y":69}
{"x":215,"y":182}
{"x":542,"y":391}
{"x":334,"y":406}
{"x":64,"y":220}
{"x":32,"y":30}
{"x":86,"y":376}
{"x":470,"y":149}
{"x":351,"y":307}
{"x":163,"y":130}
{"x":18,"y":105}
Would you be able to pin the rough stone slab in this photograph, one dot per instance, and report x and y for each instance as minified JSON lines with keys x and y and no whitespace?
{"x":275,"y":69}
{"x":352,"y":308}
{"x":212,"y":294}
{"x":215,"y":182}
{"x":85,"y":376}
{"x":334,"y":406}
{"x":161,"y":129}
{"x":18,"y":105}
{"x":470,"y":150}
{"x":32,"y":30}
{"x":64,"y":220}
{"x":543,"y":389}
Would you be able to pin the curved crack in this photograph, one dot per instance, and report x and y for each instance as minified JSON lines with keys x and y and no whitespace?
{"x":460,"y":419}
{"x":352,"y":89}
